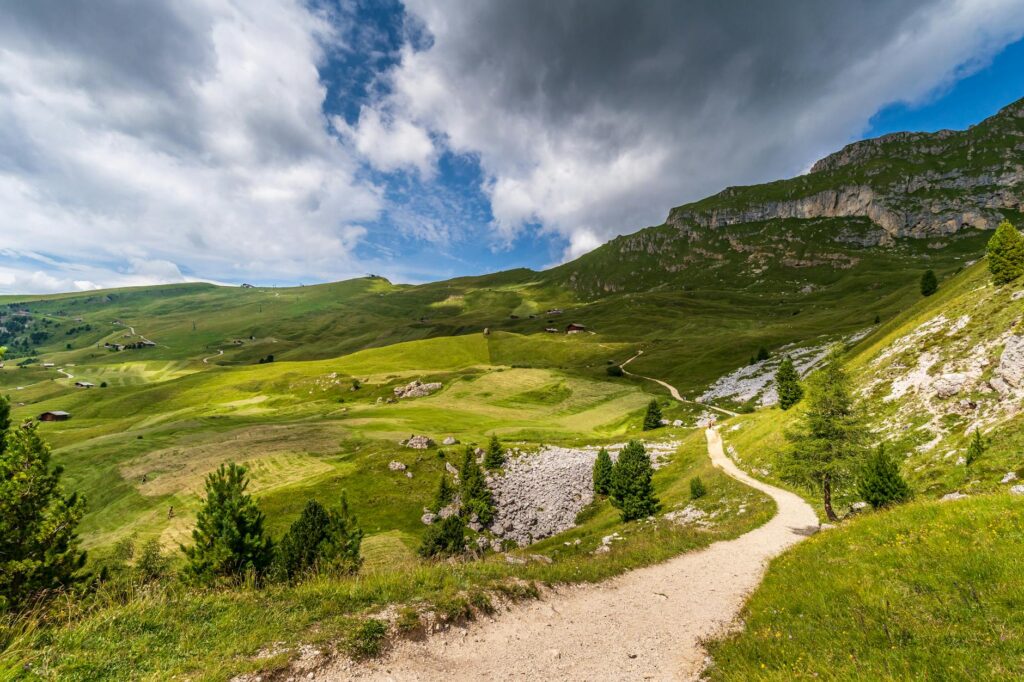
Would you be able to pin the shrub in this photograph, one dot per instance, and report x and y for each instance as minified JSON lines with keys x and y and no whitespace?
{"x":929,"y":284}
{"x":495,"y":457}
{"x":880,"y":483}
{"x":445,"y":538}
{"x":787,"y":384}
{"x":103,"y":384}
{"x":697,"y":489}
{"x":320,"y":539}
{"x":366,"y":640}
{"x":614,"y":370}
{"x":652,"y":419}
{"x":632,"y":490}
{"x":38,"y":543}
{"x":152,"y":564}
{"x":228,"y":537}
{"x":602,"y":473}
{"x":1005,"y":254}
{"x":444,"y":496}
{"x":762,"y":354}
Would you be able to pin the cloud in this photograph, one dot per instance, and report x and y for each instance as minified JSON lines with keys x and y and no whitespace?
{"x":158,"y":135}
{"x":390,"y":145}
{"x":593,"y":119}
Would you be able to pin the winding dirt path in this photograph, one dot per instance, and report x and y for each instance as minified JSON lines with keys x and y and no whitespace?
{"x":645,"y":624}
{"x":672,"y":389}
{"x":207,"y":359}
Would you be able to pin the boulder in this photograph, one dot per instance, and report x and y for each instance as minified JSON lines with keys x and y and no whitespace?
{"x":1017,"y":490}
{"x":428,"y":518}
{"x":418,"y":442}
{"x":677,"y":422}
{"x":1010,"y":476}
{"x":396,"y":466}
{"x":450,"y":468}
{"x":1011,"y":363}
{"x":450,"y":440}
{"x":949,"y":497}
{"x":948,"y":385}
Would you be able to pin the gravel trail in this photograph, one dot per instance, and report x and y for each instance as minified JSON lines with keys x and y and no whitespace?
{"x":645,"y":624}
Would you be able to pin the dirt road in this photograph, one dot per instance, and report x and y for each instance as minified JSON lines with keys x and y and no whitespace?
{"x":646,"y":624}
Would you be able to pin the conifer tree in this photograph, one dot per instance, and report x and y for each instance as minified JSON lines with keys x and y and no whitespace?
{"x":697,"y":489}
{"x":652,"y":419}
{"x":1006,"y":254}
{"x":762,"y":354}
{"x":976,"y":448}
{"x":320,"y":539}
{"x":602,"y":472}
{"x":631,"y":488}
{"x":476,"y":496}
{"x":445,"y":538}
{"x":444,"y":495}
{"x":880,"y":483}
{"x":228,"y":538}
{"x":787,"y":384}
{"x":495,"y":458}
{"x":38,"y":543}
{"x":828,"y":438}
{"x":929,"y":283}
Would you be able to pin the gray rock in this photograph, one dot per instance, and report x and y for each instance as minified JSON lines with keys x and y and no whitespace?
{"x":950,"y":497}
{"x":396,"y":466}
{"x":417,"y":389}
{"x":1017,"y":490}
{"x":450,"y":468}
{"x":450,"y":440}
{"x":428,"y":518}
{"x":948,"y":385}
{"x":418,"y":442}
{"x":1011,"y":363}
{"x":1010,"y":476}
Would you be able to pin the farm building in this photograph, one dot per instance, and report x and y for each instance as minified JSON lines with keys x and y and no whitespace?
{"x":246,"y":285}
{"x":552,"y":330}
{"x":84,"y":384}
{"x":555,"y":311}
{"x":575,"y":328}
{"x":47,"y":364}
{"x":54,"y":416}
{"x":147,"y":343}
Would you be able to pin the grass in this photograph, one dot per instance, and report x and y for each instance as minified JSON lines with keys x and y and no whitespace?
{"x":927,"y":591}
{"x":154,"y":634}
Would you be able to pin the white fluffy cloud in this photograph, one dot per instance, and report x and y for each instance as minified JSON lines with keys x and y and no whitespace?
{"x":593,"y":119}
{"x":187,"y":133}
{"x":390,"y":145}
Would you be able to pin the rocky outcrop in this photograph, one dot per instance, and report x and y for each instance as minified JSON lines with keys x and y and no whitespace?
{"x":417,"y":389}
{"x":1010,"y":373}
{"x":417,"y":442}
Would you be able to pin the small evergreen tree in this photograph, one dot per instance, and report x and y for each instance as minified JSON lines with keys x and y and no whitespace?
{"x":320,"y":539}
{"x":976,"y":448}
{"x":228,"y":538}
{"x":1005,"y":254}
{"x":631,"y":488}
{"x":880,"y":483}
{"x":652,"y":419}
{"x":476,"y":496}
{"x":445,"y":538}
{"x":602,"y":473}
{"x":614,"y":370}
{"x":828,"y":438}
{"x":697,"y":489}
{"x":762,"y":354}
{"x":151,"y":565}
{"x":787,"y":384}
{"x":878,"y":319}
{"x":38,"y":543}
{"x":495,"y":457}
{"x":929,"y":283}
{"x":444,"y":495}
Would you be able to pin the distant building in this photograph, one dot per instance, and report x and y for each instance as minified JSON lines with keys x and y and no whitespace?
{"x":84,"y":384}
{"x":47,"y":364}
{"x":555,"y":311}
{"x":552,"y":330}
{"x":55,"y":416}
{"x":575,"y":328}
{"x":247,"y":286}
{"x":147,"y":343}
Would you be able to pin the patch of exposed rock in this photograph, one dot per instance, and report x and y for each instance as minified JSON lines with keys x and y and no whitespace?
{"x":417,"y":389}
{"x":417,"y":442}
{"x":758,"y":379}
{"x":540,"y":494}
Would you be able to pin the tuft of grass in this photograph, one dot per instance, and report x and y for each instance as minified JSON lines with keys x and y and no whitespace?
{"x":367,"y":639}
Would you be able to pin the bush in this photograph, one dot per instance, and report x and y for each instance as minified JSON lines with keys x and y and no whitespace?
{"x":881,"y":484}
{"x":151,"y":565}
{"x":631,"y":488}
{"x":1005,"y":254}
{"x":228,"y":537}
{"x":320,"y":539}
{"x":366,"y":640}
{"x":929,"y":284}
{"x":445,"y":538}
{"x":697,"y":489}
{"x":38,"y":543}
{"x":602,"y":473}
{"x":614,"y":370}
{"x":652,"y":419}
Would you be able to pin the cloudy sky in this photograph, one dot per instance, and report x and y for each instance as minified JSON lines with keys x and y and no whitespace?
{"x":284,"y":142}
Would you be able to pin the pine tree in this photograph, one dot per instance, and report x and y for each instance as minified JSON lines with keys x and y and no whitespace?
{"x":929,"y":283}
{"x":495,"y":458}
{"x":787,"y":384}
{"x":762,"y":354}
{"x":1005,"y":254}
{"x":652,"y":419}
{"x":697,"y":489}
{"x":320,"y":539}
{"x":445,"y":538}
{"x":828,"y":438}
{"x":38,"y":543}
{"x":602,"y":472}
{"x":228,"y":538}
{"x":880,"y":483}
{"x":631,"y":488}
{"x":476,"y":496}
{"x":878,"y":319}
{"x":976,"y":448}
{"x":444,"y":495}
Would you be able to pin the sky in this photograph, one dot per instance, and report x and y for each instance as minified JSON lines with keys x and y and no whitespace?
{"x":280,"y":142}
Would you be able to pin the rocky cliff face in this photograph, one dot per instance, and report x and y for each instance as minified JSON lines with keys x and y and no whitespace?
{"x":909,"y":184}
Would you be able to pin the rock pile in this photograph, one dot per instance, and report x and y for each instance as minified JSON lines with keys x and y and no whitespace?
{"x":417,"y":442}
{"x":396,"y":466}
{"x":417,"y":389}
